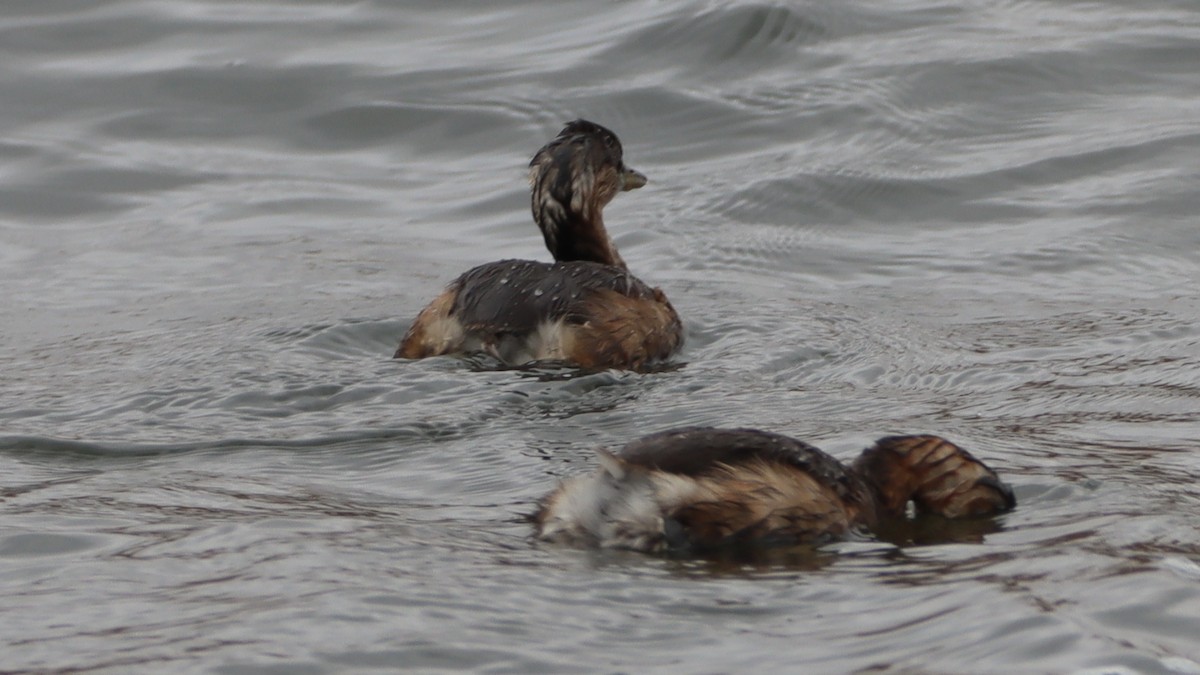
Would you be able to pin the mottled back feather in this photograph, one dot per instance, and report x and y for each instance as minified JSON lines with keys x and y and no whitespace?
{"x":700,"y":450}
{"x":516,"y":296}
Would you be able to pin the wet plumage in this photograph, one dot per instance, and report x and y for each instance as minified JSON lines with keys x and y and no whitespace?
{"x":702,"y":488}
{"x":585,"y":308}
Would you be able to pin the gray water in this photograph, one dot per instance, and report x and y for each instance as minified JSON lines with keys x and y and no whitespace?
{"x":977,"y":219}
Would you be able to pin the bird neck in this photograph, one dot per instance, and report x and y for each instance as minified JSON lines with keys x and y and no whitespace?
{"x":573,"y":236}
{"x":890,"y":479}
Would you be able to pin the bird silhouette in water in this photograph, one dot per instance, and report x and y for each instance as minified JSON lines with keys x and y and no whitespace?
{"x":585,"y":308}
{"x":703,"y":488}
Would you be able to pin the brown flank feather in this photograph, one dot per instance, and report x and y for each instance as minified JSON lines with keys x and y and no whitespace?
{"x":434,"y":332}
{"x":762,"y":500}
{"x":613,"y":330}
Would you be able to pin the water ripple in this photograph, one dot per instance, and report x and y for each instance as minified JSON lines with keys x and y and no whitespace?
{"x":217,"y":219}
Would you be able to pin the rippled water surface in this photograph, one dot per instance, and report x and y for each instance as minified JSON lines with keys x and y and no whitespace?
{"x":217,"y":218}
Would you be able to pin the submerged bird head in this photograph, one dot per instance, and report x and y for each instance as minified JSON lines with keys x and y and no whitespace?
{"x":572,"y":178}
{"x":935,"y":474}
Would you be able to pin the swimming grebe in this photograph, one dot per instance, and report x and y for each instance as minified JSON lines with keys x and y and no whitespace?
{"x":701,"y":488}
{"x":585,"y":308}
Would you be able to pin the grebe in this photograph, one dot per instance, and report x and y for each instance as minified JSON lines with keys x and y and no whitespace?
{"x":702,"y":488}
{"x":585,"y":308}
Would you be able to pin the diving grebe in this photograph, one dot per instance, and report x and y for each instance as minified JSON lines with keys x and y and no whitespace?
{"x":585,"y":308}
{"x":701,"y":488}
